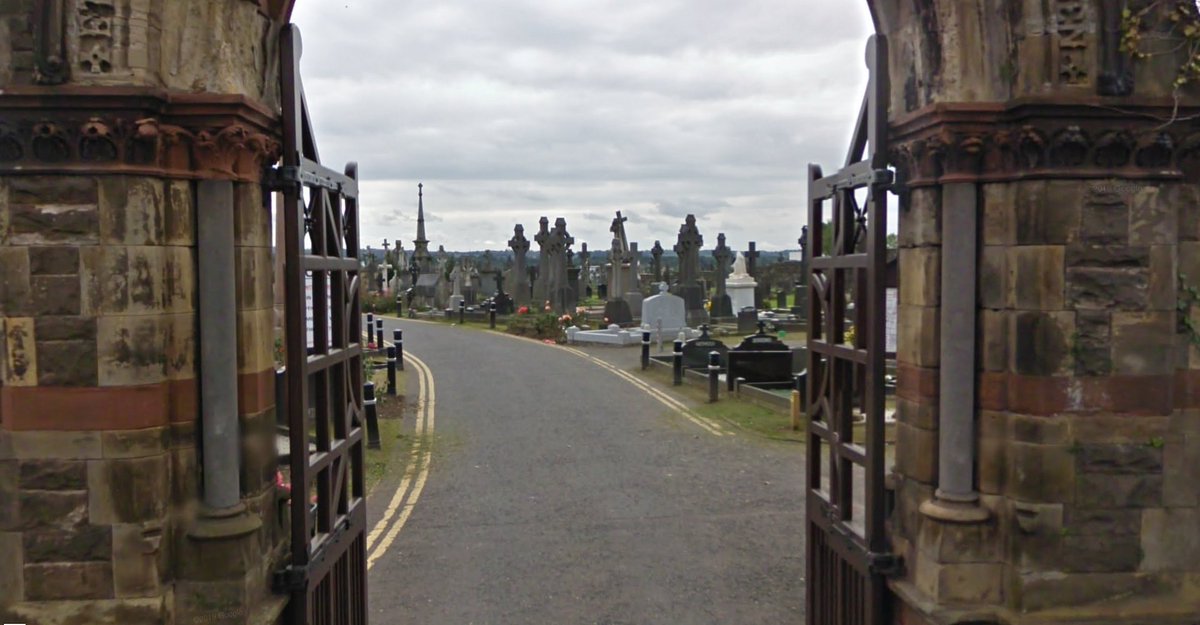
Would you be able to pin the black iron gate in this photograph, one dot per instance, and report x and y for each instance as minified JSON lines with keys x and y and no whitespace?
{"x":848,"y":551}
{"x":327,"y":577}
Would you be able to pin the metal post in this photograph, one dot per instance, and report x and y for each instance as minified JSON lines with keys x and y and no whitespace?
{"x":372,"y":415}
{"x":462,"y":313}
{"x":492,"y":316}
{"x":379,"y":334}
{"x":645,"y":349}
{"x":398,"y":341}
{"x":714,"y":372}
{"x":370,"y":324}
{"x":219,"y":423}
{"x":677,"y":362}
{"x":399,"y":306}
{"x":391,"y":365}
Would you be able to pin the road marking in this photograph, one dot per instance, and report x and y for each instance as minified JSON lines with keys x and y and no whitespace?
{"x":400,"y":508}
{"x":712,"y":427}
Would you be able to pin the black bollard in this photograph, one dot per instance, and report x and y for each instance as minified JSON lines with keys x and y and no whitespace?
{"x":379,"y":334}
{"x":645,"y":349}
{"x":399,"y":306}
{"x":391,"y":364}
{"x":462,"y":313}
{"x":370,"y":325}
{"x":398,"y":340}
{"x":372,"y":415}
{"x":714,"y":371}
{"x":492,"y":316}
{"x":677,"y":362}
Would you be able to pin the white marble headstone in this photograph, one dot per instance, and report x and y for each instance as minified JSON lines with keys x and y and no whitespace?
{"x":665,"y":312}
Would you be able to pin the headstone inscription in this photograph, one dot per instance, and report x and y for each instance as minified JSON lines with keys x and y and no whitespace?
{"x":761,"y":359}
{"x":695,"y":351}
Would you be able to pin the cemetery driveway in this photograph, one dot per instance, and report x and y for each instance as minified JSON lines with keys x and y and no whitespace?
{"x":560,"y":493}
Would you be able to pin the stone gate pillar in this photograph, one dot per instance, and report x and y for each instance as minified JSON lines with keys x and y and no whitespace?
{"x":1074,"y":496}
{"x":113,"y":114}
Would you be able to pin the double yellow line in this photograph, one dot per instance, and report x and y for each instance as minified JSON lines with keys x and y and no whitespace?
{"x":708,"y":425}
{"x":408,"y":492}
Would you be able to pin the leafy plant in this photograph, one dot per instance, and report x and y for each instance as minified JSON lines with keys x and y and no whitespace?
{"x":1182,"y":19}
{"x":1188,"y":297}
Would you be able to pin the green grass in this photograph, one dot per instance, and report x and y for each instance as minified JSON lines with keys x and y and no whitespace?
{"x":760,"y":420}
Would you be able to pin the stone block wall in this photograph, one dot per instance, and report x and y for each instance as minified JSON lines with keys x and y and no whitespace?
{"x":1087,"y":408}
{"x":100,"y":462}
{"x":1088,"y":204}
{"x":98,"y":401}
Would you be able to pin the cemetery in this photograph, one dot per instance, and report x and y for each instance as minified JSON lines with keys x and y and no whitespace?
{"x":947,"y":374}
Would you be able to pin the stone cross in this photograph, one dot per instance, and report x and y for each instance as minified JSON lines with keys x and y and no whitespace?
{"x":457,"y":276}
{"x":540,"y":292}
{"x":616,"y":256}
{"x":722,"y":254}
{"x":554,"y":260}
{"x":520,"y":246}
{"x":656,"y":266}
{"x":752,"y":259}
{"x":585,"y":269}
{"x":387,"y":266}
{"x":688,"y":250}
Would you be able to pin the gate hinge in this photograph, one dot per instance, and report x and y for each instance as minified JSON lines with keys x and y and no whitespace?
{"x":885,"y":564}
{"x":290,"y":579}
{"x":282,"y":178}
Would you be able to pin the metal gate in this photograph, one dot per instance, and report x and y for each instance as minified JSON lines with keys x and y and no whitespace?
{"x":327,"y":577}
{"x":848,"y":551}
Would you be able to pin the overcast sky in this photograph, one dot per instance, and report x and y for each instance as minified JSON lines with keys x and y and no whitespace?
{"x":509,"y":110}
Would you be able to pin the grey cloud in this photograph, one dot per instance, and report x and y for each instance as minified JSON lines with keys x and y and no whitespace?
{"x":509,"y":109}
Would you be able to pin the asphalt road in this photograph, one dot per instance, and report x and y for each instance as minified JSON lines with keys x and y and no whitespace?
{"x":560,"y":493}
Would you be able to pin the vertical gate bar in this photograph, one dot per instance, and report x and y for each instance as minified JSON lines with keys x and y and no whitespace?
{"x":300,"y":606}
{"x":877,"y":205}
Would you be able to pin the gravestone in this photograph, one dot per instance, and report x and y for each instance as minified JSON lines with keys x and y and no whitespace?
{"x":751,"y":256}
{"x":617,"y":309}
{"x":695,"y":351}
{"x":520,"y":279}
{"x":540,"y":293}
{"x":800,"y":290}
{"x":722,"y":304}
{"x":761,"y":359}
{"x":747,"y":320}
{"x":554,"y":262}
{"x":656,"y":266}
{"x":665,"y":313}
{"x":687,"y":285}
{"x":741,"y":288}
{"x":584,"y":281}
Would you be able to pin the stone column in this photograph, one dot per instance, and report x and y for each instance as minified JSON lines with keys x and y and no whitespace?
{"x":1084,"y":417}
{"x":111,"y":112}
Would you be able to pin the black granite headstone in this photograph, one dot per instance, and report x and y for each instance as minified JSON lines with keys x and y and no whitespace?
{"x":695,"y":351}
{"x":747,"y":320}
{"x":761,"y":358}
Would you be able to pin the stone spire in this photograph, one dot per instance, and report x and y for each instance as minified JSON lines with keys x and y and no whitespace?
{"x":420,"y":255}
{"x":421,"y":214}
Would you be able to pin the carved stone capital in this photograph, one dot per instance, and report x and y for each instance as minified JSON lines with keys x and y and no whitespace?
{"x":136,"y":132}
{"x":1027,"y":139}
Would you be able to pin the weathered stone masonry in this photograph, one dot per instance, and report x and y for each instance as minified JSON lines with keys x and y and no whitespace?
{"x":110,"y":110}
{"x":1087,"y":453}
